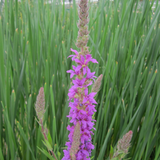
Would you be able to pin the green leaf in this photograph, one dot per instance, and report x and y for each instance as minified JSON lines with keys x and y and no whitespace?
{"x":1,"y":155}
{"x":46,"y":154}
{"x":48,"y":145}
{"x":25,"y":139}
{"x":49,"y":138}
{"x":111,"y":152}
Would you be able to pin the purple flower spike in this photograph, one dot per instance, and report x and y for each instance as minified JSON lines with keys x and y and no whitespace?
{"x":81,"y":102}
{"x":82,"y":110}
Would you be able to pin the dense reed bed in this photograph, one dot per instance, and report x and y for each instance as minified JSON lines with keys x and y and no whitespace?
{"x":35,"y":41}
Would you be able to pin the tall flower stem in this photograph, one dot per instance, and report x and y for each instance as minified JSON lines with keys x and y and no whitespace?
{"x":81,"y":102}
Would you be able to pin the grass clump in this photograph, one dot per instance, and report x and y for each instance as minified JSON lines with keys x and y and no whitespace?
{"x":35,"y":41}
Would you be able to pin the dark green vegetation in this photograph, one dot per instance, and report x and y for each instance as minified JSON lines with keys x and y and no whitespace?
{"x":35,"y":41}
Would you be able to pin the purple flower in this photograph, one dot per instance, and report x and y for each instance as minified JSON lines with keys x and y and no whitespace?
{"x":81,"y":107}
{"x":81,"y":102}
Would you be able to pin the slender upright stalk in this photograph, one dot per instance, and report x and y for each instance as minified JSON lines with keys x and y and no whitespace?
{"x":81,"y":102}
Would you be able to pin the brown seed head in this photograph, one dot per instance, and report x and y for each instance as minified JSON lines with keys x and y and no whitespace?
{"x":40,"y":104}
{"x":76,"y":141}
{"x":124,"y":144}
{"x":97,"y":84}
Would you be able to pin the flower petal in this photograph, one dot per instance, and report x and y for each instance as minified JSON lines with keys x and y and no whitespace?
{"x":76,"y":52}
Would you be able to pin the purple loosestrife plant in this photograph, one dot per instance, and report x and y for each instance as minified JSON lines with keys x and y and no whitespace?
{"x":81,"y":102}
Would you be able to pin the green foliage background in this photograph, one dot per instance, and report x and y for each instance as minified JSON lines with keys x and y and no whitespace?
{"x":35,"y":41}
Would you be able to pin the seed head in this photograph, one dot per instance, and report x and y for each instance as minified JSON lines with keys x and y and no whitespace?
{"x":76,"y":141}
{"x":40,"y":104}
{"x":97,"y":84}
{"x":124,"y":144}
